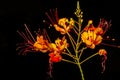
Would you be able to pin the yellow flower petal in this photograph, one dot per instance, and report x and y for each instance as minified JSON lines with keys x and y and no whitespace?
{"x":53,"y":46}
{"x":84,"y":36}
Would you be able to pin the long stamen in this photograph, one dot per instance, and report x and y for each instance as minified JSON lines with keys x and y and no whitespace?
{"x":47,"y":37}
{"x":21,"y":34}
{"x":110,"y":45}
{"x":56,"y":15}
{"x":50,"y":18}
{"x":25,"y":36}
{"x":28,"y":35}
{"x":29,"y":32}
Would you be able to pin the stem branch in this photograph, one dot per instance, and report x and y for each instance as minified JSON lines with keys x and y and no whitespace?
{"x":88,"y":58}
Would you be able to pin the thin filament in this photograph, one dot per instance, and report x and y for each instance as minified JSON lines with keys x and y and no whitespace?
{"x":29,"y":32}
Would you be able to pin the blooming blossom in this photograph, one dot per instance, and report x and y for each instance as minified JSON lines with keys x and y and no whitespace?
{"x":61,"y":43}
{"x":91,"y":35}
{"x":62,"y":25}
{"x":41,"y":44}
{"x":91,"y":39}
{"x":56,"y":49}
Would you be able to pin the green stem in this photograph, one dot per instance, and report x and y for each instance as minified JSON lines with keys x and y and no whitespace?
{"x":71,"y":40}
{"x":79,"y":25}
{"x":68,"y":51}
{"x":81,"y":51}
{"x":68,"y":61}
{"x":70,"y":55}
{"x":81,"y":71}
{"x":88,"y":58}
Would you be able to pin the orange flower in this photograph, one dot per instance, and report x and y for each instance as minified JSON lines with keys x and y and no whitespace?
{"x":64,"y":25}
{"x":56,"y":49}
{"x":59,"y":45}
{"x":91,"y":39}
{"x":92,"y":36}
{"x":41,"y":44}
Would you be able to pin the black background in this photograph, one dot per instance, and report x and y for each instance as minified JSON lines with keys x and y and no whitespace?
{"x":13,"y":14}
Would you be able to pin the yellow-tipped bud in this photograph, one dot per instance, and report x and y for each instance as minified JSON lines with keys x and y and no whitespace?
{"x":90,"y":22}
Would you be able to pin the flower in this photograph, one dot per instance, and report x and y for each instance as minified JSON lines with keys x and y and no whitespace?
{"x":90,"y":38}
{"x":56,"y":49}
{"x":59,"y":45}
{"x":62,"y":25}
{"x":41,"y":44}
{"x":91,"y":35}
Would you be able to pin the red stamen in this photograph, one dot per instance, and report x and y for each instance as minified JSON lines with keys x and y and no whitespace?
{"x":29,"y":32}
{"x":21,"y":34}
{"x":50,"y":18}
{"x":27,"y":35}
{"x":46,"y":35}
{"x":110,"y":45}
{"x":56,"y":15}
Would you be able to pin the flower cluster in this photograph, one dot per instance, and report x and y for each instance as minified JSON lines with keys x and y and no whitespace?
{"x":91,"y":36}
